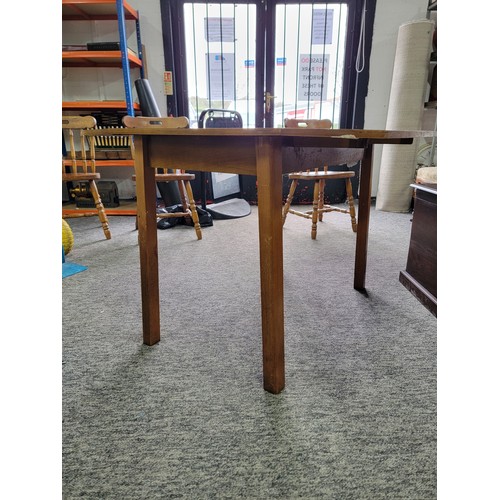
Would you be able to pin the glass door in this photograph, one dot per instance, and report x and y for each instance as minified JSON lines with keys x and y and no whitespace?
{"x":305,"y":62}
{"x":221,"y":56}
{"x":267,"y":60}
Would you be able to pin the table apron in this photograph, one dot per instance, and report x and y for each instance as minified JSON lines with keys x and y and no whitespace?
{"x":205,"y":154}
{"x":238,"y":154}
{"x":300,"y":158}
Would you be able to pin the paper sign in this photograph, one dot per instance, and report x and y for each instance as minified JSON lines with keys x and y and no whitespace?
{"x":313,"y":77}
{"x":220,"y":76}
{"x":168,"y":86}
{"x":322,"y":26}
{"x":219,"y":29}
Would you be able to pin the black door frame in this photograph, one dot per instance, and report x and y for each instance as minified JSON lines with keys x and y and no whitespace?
{"x":355,"y":85}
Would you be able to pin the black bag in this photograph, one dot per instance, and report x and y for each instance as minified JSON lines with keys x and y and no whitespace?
{"x":204,"y":217}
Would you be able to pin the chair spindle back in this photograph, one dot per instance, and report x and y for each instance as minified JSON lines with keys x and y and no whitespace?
{"x":77,"y":126}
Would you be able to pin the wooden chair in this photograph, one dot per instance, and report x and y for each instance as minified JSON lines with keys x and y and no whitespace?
{"x":182,"y":178}
{"x":319,"y":178}
{"x":82,"y":163}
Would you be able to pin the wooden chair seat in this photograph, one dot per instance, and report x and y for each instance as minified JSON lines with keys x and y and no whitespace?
{"x":319,"y":177}
{"x":81,"y":177}
{"x":81,"y":164}
{"x":328,"y":175}
{"x":182,"y":178}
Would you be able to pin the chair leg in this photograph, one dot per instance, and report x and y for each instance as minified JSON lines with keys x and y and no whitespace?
{"x":194,"y":212}
{"x":315,"y":211}
{"x":185,"y":201}
{"x":100,"y":209}
{"x":321,"y":199}
{"x":184,"y":196}
{"x":352,"y":208}
{"x":289,"y":200}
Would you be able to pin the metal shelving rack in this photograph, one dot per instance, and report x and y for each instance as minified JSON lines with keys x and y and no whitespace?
{"x":119,"y":11}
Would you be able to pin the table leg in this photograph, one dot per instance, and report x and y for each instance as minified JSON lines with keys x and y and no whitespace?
{"x":148,"y":241}
{"x":364,"y":205}
{"x":269,"y":186}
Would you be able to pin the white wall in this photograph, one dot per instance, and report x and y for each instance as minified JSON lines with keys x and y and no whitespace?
{"x":152,"y":39}
{"x":389,"y":16}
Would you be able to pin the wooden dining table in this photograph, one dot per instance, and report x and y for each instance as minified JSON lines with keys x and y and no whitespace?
{"x":267,"y":153}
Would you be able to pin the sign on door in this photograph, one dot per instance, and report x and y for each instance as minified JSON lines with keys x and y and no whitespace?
{"x":313,"y":77}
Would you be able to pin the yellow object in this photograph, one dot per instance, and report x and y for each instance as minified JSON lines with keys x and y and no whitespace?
{"x":67,"y":237}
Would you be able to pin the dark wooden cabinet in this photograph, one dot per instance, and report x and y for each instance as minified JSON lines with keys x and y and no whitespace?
{"x":420,"y":275}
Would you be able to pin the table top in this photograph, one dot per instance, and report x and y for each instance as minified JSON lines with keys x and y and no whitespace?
{"x":374,"y":136}
{"x":232,"y":150}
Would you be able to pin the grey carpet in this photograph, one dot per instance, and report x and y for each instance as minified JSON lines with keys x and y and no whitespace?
{"x":188,"y":417}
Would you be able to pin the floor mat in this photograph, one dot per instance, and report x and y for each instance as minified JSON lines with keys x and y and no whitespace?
{"x":68,"y":269}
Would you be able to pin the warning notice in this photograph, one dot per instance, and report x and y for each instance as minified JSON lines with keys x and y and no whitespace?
{"x":313,"y":77}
